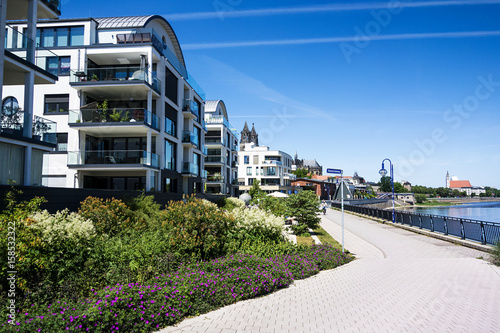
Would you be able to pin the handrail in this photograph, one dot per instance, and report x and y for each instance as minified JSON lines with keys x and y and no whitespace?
{"x":472,"y":229}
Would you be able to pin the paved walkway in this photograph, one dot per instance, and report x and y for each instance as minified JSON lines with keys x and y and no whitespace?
{"x":401,"y":282}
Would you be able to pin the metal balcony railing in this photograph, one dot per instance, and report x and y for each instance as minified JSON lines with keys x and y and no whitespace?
{"x":114,"y":115}
{"x":42,"y":129}
{"x":116,"y":74}
{"x":118,"y":157}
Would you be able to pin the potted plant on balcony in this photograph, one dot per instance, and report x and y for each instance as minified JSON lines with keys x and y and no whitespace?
{"x":39,"y":128}
{"x":115,"y":116}
{"x":94,"y":78}
{"x":11,"y":119}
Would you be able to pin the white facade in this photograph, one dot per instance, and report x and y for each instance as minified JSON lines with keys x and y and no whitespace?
{"x":24,"y":137}
{"x":271,"y":167}
{"x":222,"y":150}
{"x":129,"y":116}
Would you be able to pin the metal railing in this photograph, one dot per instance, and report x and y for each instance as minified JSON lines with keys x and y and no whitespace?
{"x":42,"y":129}
{"x":116,"y":157}
{"x":476,"y":230}
{"x":114,"y":115}
{"x":116,"y":75}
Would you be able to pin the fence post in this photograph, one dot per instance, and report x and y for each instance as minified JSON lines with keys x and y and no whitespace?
{"x":432,"y":223}
{"x":483,"y":234}
{"x":462,"y":229}
{"x":420,"y":221}
{"x":411,"y":220}
{"x":445,"y":226}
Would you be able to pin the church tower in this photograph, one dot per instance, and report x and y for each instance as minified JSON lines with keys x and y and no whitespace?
{"x":447,"y":180}
{"x":245,"y":135}
{"x":254,"y":137}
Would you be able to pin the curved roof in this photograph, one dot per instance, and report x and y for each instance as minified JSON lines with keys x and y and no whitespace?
{"x":211,"y":106}
{"x":141,"y":22}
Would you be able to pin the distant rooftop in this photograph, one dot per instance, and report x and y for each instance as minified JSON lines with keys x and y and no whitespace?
{"x":123,"y":21}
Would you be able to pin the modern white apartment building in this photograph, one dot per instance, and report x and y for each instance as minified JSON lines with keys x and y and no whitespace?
{"x":129,"y":116}
{"x":24,"y":137}
{"x":222,"y":150}
{"x":271,"y":167}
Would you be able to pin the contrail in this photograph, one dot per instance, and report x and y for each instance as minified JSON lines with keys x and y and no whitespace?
{"x":326,"y":40}
{"x":320,"y":9}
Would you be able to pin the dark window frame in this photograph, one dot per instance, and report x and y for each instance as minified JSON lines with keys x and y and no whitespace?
{"x":58,"y":103}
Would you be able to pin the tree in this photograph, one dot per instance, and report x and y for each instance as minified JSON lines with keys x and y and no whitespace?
{"x":398,"y":188}
{"x":420,"y":198}
{"x":443,"y":192}
{"x":255,"y":191}
{"x":385,"y":184}
{"x":304,"y":206}
{"x":302,"y":173}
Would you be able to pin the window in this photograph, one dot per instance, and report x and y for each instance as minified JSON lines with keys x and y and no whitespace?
{"x":52,"y":37}
{"x":197,"y":132}
{"x":249,"y":171}
{"x":170,"y":185}
{"x":170,"y":154}
{"x":170,"y":126}
{"x":171,"y":85}
{"x":196,"y":162}
{"x":247,"y":159}
{"x":56,"y":104}
{"x":62,"y":142}
{"x":10,"y":106}
{"x":58,"y":65}
{"x":271,"y":171}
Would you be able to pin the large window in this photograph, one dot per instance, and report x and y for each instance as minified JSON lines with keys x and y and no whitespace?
{"x":170,"y":154}
{"x":171,"y":85}
{"x":56,"y":104}
{"x":170,"y":127}
{"x":247,"y":159}
{"x":196,"y":162}
{"x":170,"y":185}
{"x":249,"y":171}
{"x":59,"y":65}
{"x":197,"y":132}
{"x":51,"y":37}
{"x":62,"y":142}
{"x":271,"y":171}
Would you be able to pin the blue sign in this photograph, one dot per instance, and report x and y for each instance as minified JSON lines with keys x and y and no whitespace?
{"x":337,"y":171}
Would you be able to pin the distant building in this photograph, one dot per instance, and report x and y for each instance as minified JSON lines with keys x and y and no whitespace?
{"x":271,"y":167}
{"x":312,"y":166}
{"x":406,"y":185}
{"x":463,"y":185}
{"x":323,"y":186}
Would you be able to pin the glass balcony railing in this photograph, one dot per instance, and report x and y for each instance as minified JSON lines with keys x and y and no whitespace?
{"x":218,"y":119}
{"x":215,"y":178}
{"x":214,"y":159}
{"x":204,"y":150}
{"x":117,"y":74}
{"x":204,"y":174}
{"x":137,"y":157}
{"x":170,"y":127}
{"x":22,"y":46}
{"x":114,"y":115}
{"x":190,"y":168}
{"x":214,"y":141}
{"x":190,"y":137}
{"x":191,"y":106}
{"x":42,"y":129}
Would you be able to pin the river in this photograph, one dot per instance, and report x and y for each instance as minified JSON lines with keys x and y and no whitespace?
{"x":484,"y":211}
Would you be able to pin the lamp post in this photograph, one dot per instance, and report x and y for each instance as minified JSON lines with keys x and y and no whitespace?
{"x":383,"y":173}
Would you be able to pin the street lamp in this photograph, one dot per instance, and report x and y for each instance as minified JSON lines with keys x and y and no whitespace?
{"x":383,"y":173}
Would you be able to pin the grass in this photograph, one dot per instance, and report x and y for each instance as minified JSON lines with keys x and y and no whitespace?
{"x":436,"y":203}
{"x":305,"y":240}
{"x":325,"y":238}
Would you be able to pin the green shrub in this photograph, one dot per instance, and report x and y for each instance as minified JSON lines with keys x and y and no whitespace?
{"x":198,"y":228}
{"x":232,"y":203}
{"x":420,"y":198}
{"x":109,"y":216}
{"x":276,"y":206}
{"x":305,"y":207}
{"x":145,"y":212}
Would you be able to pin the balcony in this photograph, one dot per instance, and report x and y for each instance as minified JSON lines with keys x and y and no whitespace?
{"x":204,"y":150}
{"x":218,"y":120}
{"x":191,"y":109}
{"x":289,"y":176}
{"x":271,"y":162}
{"x":126,"y":118}
{"x":115,"y":82}
{"x":43,"y":130}
{"x":190,"y":169}
{"x":214,"y":141}
{"x":113,"y":158}
{"x":234,"y":147}
{"x":46,"y":9}
{"x":19,"y":59}
{"x":211,"y":159}
{"x":215,"y":178}
{"x":190,"y":138}
{"x":234,"y":164}
{"x":54,"y":5}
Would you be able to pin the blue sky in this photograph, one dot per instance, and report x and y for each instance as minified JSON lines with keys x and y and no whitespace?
{"x":349,"y":83}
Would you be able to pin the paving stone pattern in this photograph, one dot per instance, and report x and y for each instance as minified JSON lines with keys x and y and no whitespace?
{"x":400,"y":282}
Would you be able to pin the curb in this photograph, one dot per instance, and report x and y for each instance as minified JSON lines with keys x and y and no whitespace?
{"x":447,"y":238}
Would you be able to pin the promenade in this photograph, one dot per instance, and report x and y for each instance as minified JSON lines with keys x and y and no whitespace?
{"x":400,"y":282}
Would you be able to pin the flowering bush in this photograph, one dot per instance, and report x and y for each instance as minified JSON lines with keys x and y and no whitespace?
{"x":232,"y":203}
{"x":167,"y":299}
{"x":62,"y":226}
{"x":109,"y":216}
{"x":257,"y":223}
